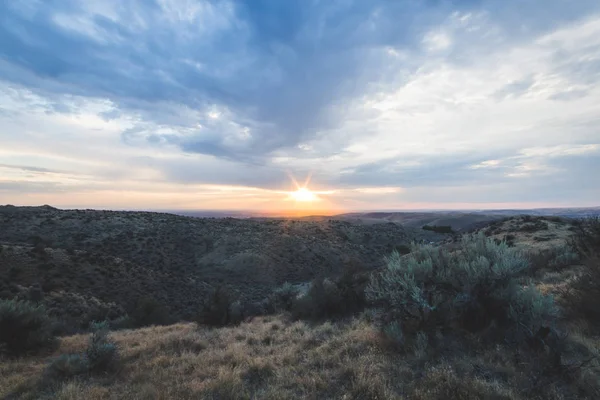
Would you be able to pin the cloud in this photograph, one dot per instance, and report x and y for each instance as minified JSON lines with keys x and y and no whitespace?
{"x":487,"y":164}
{"x":365,"y":95}
{"x":27,"y":168}
{"x":378,"y":190}
{"x":515,"y":89}
{"x":569,"y":95}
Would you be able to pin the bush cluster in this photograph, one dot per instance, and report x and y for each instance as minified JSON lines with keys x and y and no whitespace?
{"x":283,"y":298}
{"x":586,"y":238}
{"x":536,"y":226}
{"x":555,"y":258}
{"x":331,"y":298}
{"x":148,"y":311}
{"x":433,"y":290}
{"x":24,"y":327}
{"x":101,"y":353}
{"x":219,"y":308}
{"x":583,"y":295}
{"x":67,"y":366}
{"x":100,"y":356}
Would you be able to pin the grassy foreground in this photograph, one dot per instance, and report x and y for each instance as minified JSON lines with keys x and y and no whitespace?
{"x":275,"y":358}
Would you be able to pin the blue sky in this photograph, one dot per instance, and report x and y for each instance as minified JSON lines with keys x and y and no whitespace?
{"x":384,"y":104}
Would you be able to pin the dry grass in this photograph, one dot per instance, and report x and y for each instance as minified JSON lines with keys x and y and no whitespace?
{"x":273,"y":358}
{"x":554,"y":234}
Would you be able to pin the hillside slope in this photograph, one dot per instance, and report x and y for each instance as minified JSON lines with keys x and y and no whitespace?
{"x":120,"y":257}
{"x":529,"y":341}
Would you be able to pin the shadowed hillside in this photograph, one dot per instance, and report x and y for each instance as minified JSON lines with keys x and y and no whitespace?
{"x":122,"y":257}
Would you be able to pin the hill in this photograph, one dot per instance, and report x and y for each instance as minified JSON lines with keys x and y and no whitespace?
{"x":459,"y":221}
{"x":463,"y":221}
{"x":116,"y":259}
{"x":507,"y":313}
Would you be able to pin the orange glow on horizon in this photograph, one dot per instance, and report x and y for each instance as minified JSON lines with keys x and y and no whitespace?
{"x":302,"y":194}
{"x":304,"y":201}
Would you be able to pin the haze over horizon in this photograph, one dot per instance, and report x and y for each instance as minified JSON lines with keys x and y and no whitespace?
{"x":220,"y":105}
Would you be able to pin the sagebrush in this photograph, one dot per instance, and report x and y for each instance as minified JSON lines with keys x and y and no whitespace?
{"x":67,"y":366}
{"x":102,"y":353}
{"x":331,"y":298}
{"x":472,"y":287}
{"x":219,"y":308}
{"x":100,"y":357}
{"x":24,"y":327}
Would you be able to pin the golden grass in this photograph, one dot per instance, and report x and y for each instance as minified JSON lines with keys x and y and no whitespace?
{"x":267,"y":358}
{"x":273,"y":358}
{"x":555,"y":236}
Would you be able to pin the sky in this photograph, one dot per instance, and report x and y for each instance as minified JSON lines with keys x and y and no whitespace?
{"x":378,"y":104}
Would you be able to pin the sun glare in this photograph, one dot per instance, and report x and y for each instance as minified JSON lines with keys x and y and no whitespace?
{"x":303,"y":195}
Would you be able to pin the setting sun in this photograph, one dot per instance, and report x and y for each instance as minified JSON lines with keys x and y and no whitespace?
{"x":303,"y":195}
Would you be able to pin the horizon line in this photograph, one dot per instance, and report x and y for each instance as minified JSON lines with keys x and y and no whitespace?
{"x":304,"y":213}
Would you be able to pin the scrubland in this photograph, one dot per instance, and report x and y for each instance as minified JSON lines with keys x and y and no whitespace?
{"x":508,"y":312}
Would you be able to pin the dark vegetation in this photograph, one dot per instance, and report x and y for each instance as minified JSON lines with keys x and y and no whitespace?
{"x":86,"y":266}
{"x":24,"y":328}
{"x":523,"y":223}
{"x":438,"y":228}
{"x":219,"y":308}
{"x":331,"y":298}
{"x":147,"y":312}
{"x":472,"y":288}
{"x":583,"y":295}
{"x":100,"y":357}
{"x":474,"y":317}
{"x":536,"y":226}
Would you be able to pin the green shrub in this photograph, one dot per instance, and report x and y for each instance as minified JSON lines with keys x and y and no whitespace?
{"x":530,"y":312}
{"x":102,"y":354}
{"x":393,"y":330}
{"x":351,"y":286}
{"x":322,"y":300}
{"x":24,"y":327}
{"x":554,"y":258}
{"x":218,"y":308}
{"x":148,"y":311}
{"x":282,"y":298}
{"x":328,"y":298}
{"x":564,"y":256}
{"x":67,"y":366}
{"x":510,"y":240}
{"x":435,"y":289}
